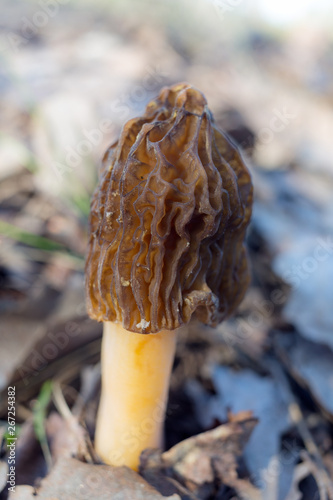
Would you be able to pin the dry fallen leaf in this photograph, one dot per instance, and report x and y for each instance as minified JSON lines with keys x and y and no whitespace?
{"x":301,"y":471}
{"x":72,"y":340}
{"x":203,"y":461}
{"x":71,"y":479}
{"x":67,"y":437}
{"x":23,"y":492}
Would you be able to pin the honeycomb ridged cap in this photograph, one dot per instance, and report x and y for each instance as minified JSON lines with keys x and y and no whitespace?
{"x":168,"y":220}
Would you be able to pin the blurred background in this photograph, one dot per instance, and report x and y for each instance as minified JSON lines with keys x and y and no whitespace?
{"x":71,"y":74}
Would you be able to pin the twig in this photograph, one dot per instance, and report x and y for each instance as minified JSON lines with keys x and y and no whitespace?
{"x":323,"y":481}
{"x":60,"y":401}
{"x":73,"y":421}
{"x":297,"y":418}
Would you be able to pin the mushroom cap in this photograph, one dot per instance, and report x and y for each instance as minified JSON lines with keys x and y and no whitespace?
{"x":168,"y":220}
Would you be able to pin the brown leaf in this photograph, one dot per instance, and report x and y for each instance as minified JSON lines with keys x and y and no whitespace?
{"x":64,"y":347}
{"x":67,"y":437}
{"x":201,"y":461}
{"x":153,"y":471}
{"x":71,"y":479}
{"x":23,"y":492}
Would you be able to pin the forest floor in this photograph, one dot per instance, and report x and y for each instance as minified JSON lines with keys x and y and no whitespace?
{"x":257,"y":389}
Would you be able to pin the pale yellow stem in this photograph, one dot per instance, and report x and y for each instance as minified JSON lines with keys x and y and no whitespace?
{"x":135,"y":381}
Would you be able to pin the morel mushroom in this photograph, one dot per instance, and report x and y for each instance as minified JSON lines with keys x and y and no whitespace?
{"x":167,"y":228}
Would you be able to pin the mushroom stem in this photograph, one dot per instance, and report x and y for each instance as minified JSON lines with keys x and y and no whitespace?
{"x":136,"y":372}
